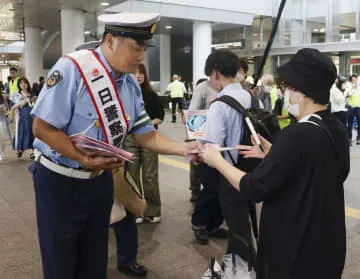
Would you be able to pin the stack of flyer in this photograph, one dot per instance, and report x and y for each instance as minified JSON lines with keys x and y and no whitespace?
{"x":196,"y":121}
{"x":99,"y":148}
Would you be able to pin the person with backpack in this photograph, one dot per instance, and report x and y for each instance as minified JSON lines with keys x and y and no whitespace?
{"x":300,"y":180}
{"x":225,"y":128}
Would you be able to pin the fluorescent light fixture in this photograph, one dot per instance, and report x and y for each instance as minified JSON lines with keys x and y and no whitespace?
{"x":87,"y":32}
{"x":322,"y":30}
{"x":4,"y":15}
{"x":255,"y":34}
{"x":316,"y":30}
{"x":237,"y":44}
{"x":105,"y":4}
{"x":169,"y":27}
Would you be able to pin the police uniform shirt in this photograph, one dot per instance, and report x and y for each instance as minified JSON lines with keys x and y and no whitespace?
{"x":225,"y":123}
{"x":300,"y":181}
{"x":68,"y":109}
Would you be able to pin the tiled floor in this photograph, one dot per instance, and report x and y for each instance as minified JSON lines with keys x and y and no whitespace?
{"x":167,"y":249}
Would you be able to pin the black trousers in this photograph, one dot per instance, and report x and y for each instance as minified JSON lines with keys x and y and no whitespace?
{"x":179,"y":102}
{"x":127,"y":240}
{"x":207,"y":211}
{"x":195,"y":184}
{"x":342,"y":116}
{"x":236,"y":214}
{"x":353,"y":112}
{"x":73,"y":223}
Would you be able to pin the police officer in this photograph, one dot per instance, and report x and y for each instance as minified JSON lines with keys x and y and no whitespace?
{"x":74,"y":189}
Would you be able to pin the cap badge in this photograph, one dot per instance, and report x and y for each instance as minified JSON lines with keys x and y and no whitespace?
{"x":153,"y":28}
{"x":98,"y":124}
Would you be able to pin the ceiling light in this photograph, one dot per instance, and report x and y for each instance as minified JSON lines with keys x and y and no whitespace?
{"x":105,"y":4}
{"x":322,"y":30}
{"x":255,"y":34}
{"x":168,"y":27}
{"x":316,"y":30}
{"x":87,"y":32}
{"x":4,"y":15}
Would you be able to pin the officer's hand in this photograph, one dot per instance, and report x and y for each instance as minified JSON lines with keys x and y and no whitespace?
{"x":101,"y":163}
{"x":192,"y":149}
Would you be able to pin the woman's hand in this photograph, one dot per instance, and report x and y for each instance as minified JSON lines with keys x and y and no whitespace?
{"x":211,"y":156}
{"x":254,"y":151}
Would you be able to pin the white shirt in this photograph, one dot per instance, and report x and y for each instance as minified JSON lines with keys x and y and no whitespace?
{"x":337,"y":100}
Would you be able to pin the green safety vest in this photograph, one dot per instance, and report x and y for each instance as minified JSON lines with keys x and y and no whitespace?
{"x":177,"y":90}
{"x":283,"y":123}
{"x":354,"y":99}
{"x":13,"y":86}
{"x":274,"y":96}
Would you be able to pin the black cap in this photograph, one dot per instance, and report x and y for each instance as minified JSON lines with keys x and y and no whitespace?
{"x":311,"y":73}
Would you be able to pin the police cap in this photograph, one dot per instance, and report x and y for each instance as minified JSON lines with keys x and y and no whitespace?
{"x":138,"y":26}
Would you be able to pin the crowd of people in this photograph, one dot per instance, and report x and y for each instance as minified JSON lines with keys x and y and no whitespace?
{"x":17,"y":98}
{"x":298,"y":176}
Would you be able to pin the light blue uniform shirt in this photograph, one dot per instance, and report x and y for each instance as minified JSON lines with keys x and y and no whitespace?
{"x":225,"y":124}
{"x":73,"y":113}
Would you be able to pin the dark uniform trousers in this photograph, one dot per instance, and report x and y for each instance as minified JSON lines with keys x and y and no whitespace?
{"x":127,"y":240}
{"x":73,"y":223}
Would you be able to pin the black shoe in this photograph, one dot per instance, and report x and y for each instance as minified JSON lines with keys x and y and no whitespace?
{"x":201,"y":236}
{"x":19,"y":154}
{"x":350,"y":142}
{"x":32,"y":156}
{"x":134,"y":270}
{"x":358,"y":142}
{"x":220,"y":233}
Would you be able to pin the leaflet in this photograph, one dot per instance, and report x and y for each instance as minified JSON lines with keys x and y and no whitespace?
{"x":85,"y":143}
{"x":196,"y":122}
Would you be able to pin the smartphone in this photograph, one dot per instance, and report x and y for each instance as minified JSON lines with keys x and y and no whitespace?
{"x":254,"y":134}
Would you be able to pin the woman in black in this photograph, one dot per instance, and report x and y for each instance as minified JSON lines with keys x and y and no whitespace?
{"x":300,"y":181}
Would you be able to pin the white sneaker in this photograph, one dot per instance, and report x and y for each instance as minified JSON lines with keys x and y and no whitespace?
{"x":153,"y":220}
{"x":139,"y":220}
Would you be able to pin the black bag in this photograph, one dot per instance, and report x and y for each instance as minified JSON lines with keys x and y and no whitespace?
{"x":265,"y":123}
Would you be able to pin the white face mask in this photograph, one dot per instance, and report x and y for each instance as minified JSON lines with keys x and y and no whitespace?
{"x":240,"y":77}
{"x":293,"y":109}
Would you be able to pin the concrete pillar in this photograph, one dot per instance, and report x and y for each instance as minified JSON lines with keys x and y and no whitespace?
{"x":332,"y":28}
{"x":296,"y":33}
{"x":165,"y":61}
{"x":72,"y":29}
{"x":202,"y":39}
{"x":33,"y":54}
{"x":357,"y":27}
{"x":344,"y":64}
{"x":261,"y":32}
